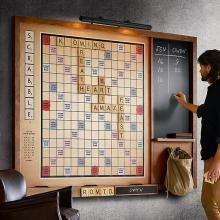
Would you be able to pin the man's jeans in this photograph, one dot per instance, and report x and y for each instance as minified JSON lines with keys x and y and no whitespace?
{"x":211,"y":195}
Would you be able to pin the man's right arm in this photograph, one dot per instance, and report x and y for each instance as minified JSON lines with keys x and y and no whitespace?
{"x":181,"y":98}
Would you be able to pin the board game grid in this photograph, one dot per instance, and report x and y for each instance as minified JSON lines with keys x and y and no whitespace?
{"x":92,"y":107}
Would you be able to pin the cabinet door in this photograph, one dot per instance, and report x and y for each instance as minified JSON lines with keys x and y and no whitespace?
{"x":159,"y":156}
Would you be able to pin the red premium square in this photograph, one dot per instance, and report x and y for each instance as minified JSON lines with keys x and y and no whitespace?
{"x":95,"y":171}
{"x":139,"y":110}
{"x":45,"y":105}
{"x":45,"y":171}
{"x":139,"y":170}
{"x":139,"y":49}
{"x":45,"y":39}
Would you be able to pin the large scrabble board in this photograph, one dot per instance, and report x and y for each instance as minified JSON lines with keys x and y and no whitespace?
{"x":83,"y":106}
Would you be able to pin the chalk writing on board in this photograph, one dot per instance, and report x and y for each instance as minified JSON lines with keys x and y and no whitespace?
{"x":160,"y":49}
{"x":177,"y":68}
{"x":160,"y":60}
{"x":179,"y":51}
{"x":170,"y":75}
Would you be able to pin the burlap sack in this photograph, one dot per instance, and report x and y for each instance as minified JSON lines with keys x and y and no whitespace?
{"x":178,"y":178}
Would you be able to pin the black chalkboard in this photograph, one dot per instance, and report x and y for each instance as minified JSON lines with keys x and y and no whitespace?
{"x":170,"y":75}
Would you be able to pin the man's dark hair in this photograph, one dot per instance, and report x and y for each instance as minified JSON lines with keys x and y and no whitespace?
{"x":212,"y":58}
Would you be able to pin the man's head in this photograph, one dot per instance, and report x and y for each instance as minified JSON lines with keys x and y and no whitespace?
{"x":210,"y":65}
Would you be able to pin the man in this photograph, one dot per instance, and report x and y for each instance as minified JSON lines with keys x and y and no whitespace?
{"x":210,"y":132}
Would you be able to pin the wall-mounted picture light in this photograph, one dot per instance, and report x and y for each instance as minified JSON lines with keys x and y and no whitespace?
{"x":127,"y":24}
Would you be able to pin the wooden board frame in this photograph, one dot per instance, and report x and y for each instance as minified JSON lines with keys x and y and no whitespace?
{"x":109,"y":32}
{"x":30,"y":128}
